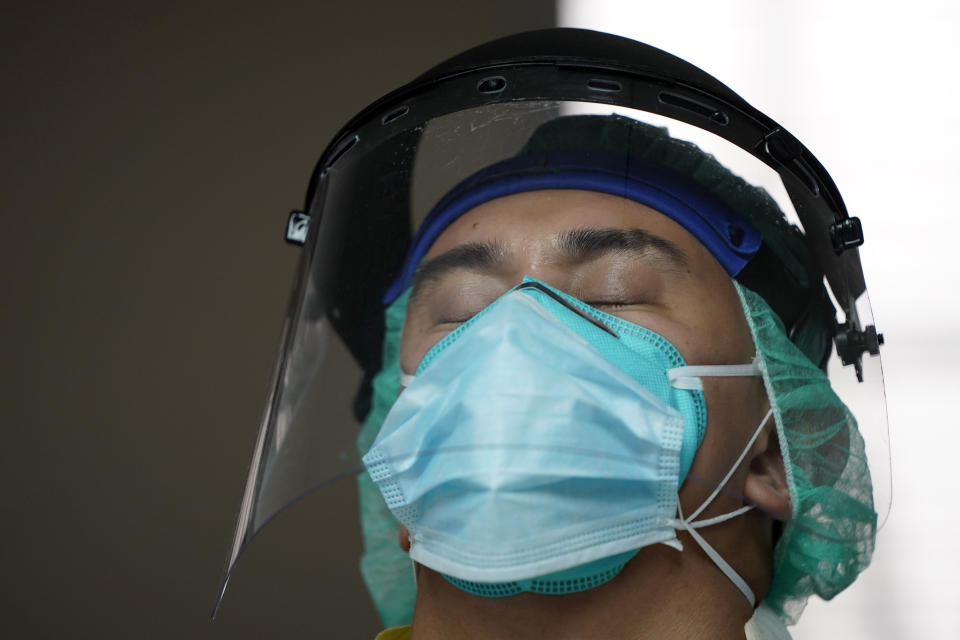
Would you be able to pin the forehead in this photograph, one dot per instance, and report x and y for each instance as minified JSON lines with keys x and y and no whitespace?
{"x":533,"y":229}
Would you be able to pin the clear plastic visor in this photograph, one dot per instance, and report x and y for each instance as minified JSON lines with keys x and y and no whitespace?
{"x":374,"y":197}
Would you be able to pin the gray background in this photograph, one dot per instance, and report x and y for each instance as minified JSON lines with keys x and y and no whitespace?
{"x":150,"y":154}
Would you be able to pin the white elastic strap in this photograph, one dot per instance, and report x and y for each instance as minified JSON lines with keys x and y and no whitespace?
{"x":688,"y":524}
{"x":689,"y":377}
{"x":413,"y":566}
{"x":717,"y":520}
{"x":406,"y":379}
{"x":722,"y":564}
{"x":413,"y":563}
{"x":733,"y":469}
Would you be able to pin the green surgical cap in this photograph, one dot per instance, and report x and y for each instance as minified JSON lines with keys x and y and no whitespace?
{"x":830,"y":537}
{"x":386,"y":569}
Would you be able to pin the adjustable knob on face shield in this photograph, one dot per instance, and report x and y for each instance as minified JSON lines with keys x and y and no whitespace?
{"x":846,"y":234}
{"x":852,"y":343}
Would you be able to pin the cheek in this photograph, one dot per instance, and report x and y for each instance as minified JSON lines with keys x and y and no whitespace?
{"x":411,"y":353}
{"x":415,"y":344}
{"x":715,"y":333}
{"x":735,"y":407}
{"x":416,"y":339}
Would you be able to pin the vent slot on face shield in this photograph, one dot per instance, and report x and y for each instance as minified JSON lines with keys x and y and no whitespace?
{"x":394,"y":115}
{"x":345,"y":146}
{"x":493,"y":84}
{"x":606,"y":86}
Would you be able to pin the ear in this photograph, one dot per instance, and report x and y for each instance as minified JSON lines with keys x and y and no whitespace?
{"x":403,"y":539}
{"x":766,"y":484}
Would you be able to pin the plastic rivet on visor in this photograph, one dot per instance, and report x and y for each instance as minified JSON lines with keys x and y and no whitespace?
{"x":298,"y":224}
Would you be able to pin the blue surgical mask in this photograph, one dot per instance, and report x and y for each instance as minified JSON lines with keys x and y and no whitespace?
{"x":540,"y":445}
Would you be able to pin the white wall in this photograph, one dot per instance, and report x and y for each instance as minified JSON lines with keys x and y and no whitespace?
{"x":871,"y":88}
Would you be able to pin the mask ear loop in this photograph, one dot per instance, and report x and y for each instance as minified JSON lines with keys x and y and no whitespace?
{"x":718,"y":560}
{"x":689,"y":377}
{"x":691,"y":527}
{"x":733,"y":469}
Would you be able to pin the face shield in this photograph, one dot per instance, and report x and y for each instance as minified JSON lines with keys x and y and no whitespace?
{"x":397,"y":163}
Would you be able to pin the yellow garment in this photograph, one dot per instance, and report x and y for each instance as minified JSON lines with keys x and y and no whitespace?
{"x":394,"y":633}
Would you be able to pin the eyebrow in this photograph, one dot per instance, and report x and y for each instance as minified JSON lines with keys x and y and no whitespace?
{"x":588,"y":244}
{"x":577,"y":245}
{"x":473,"y":256}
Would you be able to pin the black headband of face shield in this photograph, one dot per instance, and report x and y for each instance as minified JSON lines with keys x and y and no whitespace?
{"x":579,"y":65}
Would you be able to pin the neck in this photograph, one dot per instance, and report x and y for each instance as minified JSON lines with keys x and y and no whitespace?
{"x":660,"y":593}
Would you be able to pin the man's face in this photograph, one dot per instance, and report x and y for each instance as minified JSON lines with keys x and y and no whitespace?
{"x":616,"y":255}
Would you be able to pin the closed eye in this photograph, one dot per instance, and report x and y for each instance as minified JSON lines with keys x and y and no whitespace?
{"x":610,"y":304}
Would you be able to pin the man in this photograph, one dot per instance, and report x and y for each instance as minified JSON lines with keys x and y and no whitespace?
{"x":594,"y":404}
{"x":685,"y":296}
